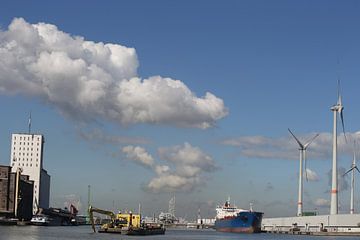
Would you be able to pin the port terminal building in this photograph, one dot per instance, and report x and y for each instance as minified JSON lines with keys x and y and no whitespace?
{"x":27,"y":155}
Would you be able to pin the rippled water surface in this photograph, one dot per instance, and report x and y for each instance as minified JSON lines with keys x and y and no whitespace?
{"x":85,"y":232}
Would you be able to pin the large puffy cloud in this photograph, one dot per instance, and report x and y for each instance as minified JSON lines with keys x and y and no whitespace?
{"x":285,"y":147}
{"x":90,"y":81}
{"x":186,"y":169}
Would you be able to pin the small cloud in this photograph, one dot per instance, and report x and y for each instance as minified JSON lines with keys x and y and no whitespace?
{"x":138,"y":155}
{"x":322,"y":203}
{"x":186,"y":171}
{"x":311,"y":175}
{"x":189,"y":160}
{"x":190,"y":164}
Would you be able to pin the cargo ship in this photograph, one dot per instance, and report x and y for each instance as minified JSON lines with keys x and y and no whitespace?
{"x":232,"y":219}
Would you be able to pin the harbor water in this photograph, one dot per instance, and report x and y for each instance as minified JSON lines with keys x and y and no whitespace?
{"x":85,"y":232}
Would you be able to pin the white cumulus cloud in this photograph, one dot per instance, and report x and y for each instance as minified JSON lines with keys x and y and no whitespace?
{"x":190,"y":165}
{"x":189,"y":160}
{"x":138,"y":155}
{"x":92,"y":81}
{"x":186,"y":169}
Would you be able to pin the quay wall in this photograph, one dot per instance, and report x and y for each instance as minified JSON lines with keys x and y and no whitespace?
{"x":320,"y":223}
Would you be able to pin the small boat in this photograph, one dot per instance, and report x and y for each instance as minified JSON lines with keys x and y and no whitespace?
{"x":232,"y":219}
{"x":41,"y":220}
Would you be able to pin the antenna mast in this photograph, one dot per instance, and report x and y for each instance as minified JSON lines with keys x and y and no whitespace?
{"x":29,"y":124}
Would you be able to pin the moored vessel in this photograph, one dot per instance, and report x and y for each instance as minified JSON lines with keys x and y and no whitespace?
{"x":232,"y":219}
{"x":125,"y":223}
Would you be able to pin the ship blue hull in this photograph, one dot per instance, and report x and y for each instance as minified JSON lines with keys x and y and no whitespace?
{"x":244,"y":222}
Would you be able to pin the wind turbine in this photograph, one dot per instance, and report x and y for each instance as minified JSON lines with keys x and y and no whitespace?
{"x":302,"y":149}
{"x":338,"y":108}
{"x":352,"y":170}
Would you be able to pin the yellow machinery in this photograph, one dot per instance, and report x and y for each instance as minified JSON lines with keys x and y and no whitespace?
{"x":117,"y":221}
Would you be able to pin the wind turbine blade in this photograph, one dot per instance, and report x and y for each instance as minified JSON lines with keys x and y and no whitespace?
{"x":357,"y":169}
{"x":304,"y":156}
{"x":348,"y":171}
{"x":338,"y":93}
{"x":342,"y":123}
{"x":310,"y":141}
{"x":297,"y":140}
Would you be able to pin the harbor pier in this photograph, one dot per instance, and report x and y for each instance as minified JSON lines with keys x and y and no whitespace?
{"x":338,"y":224}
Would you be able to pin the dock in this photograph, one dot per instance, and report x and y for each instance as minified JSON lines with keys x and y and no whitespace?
{"x":315,"y":233}
{"x":320,"y":225}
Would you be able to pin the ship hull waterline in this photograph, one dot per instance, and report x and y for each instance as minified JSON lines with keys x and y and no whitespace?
{"x":245,"y":222}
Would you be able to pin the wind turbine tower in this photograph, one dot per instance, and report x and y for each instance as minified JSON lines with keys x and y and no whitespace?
{"x":302,"y":149}
{"x":338,"y":108}
{"x":352,"y":191}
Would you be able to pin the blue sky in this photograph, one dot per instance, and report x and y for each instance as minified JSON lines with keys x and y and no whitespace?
{"x":195,"y":99}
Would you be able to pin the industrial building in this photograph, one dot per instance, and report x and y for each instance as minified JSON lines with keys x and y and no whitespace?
{"x":27,"y":154}
{"x":16,"y":194}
